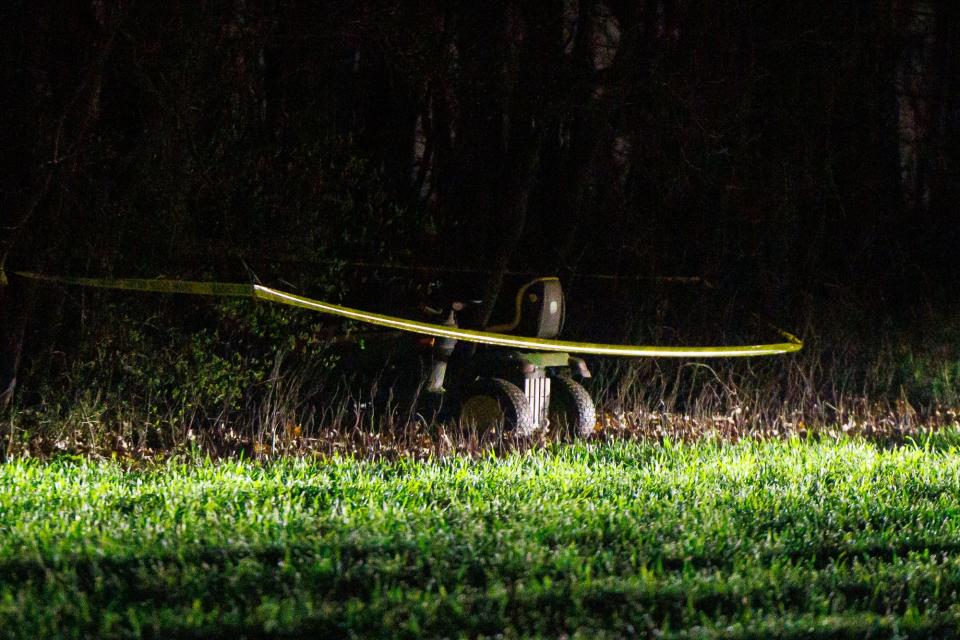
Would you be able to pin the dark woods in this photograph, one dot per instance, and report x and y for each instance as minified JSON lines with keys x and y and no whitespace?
{"x":791,"y":153}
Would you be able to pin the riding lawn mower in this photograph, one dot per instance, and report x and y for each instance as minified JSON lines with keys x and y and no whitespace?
{"x":518,"y":391}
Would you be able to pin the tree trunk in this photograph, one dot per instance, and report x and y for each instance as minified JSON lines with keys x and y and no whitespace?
{"x":520,"y":172}
{"x":480,"y":129}
{"x":534,"y":46}
{"x":915,"y":84}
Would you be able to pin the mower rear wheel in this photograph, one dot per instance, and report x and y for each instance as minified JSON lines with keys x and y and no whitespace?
{"x":572,"y":412}
{"x":492,"y":403}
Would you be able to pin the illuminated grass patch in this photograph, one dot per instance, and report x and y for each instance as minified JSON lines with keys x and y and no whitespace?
{"x":795,"y":538}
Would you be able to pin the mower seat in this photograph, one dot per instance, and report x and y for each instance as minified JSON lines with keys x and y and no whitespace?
{"x":539,"y":310}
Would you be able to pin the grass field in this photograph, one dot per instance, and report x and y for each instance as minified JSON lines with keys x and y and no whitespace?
{"x":796,"y":538}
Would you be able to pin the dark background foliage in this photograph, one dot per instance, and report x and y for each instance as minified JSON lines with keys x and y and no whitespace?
{"x":803,"y":158}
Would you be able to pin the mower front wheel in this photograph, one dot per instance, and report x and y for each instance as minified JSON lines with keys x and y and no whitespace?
{"x":572,"y":412}
{"x":496,"y":403}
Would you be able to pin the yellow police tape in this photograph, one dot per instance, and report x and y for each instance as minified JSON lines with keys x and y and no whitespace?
{"x":261,"y":292}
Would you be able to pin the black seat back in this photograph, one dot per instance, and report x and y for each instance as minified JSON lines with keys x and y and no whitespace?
{"x":541,"y":308}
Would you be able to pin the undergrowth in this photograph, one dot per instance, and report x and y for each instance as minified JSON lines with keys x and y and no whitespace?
{"x":261,"y":380}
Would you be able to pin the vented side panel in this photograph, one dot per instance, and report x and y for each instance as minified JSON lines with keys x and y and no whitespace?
{"x":537,"y":391}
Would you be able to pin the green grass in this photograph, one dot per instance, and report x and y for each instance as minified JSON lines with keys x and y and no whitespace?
{"x":756,"y":539}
